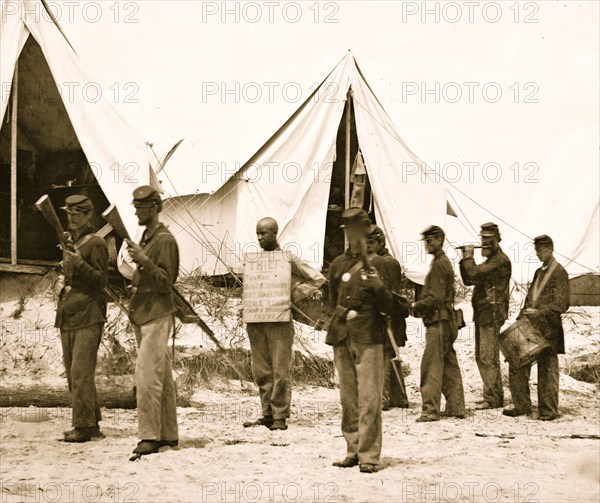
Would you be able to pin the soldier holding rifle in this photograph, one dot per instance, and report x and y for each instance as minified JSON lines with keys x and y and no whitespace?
{"x":490,"y":309}
{"x":362,"y":301}
{"x":81,"y":311}
{"x":440,"y":373}
{"x":152,"y":309}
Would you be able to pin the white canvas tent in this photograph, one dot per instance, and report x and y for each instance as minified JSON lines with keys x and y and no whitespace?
{"x":290,"y":179}
{"x":53,"y":120}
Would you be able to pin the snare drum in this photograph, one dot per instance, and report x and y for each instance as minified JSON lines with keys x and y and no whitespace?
{"x":521,"y":343}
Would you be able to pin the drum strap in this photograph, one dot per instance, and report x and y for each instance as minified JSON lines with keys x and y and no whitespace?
{"x":538,"y":287}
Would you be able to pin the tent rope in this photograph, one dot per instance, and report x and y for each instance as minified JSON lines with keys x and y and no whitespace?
{"x":452,"y":184}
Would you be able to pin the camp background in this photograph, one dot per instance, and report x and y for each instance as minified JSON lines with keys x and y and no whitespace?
{"x":172,"y":53}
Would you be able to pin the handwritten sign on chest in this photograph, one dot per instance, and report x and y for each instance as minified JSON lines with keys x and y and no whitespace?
{"x":267,"y":287}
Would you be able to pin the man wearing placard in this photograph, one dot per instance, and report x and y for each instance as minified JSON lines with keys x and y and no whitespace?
{"x":272,"y":280}
{"x":547,"y":300}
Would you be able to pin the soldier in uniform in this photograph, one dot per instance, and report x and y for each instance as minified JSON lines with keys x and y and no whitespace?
{"x":547,"y":299}
{"x":394,"y":392}
{"x":362,"y":302}
{"x":440,"y":373}
{"x":151,"y":312}
{"x":81,"y":314}
{"x":490,"y":310}
{"x":271,"y":343}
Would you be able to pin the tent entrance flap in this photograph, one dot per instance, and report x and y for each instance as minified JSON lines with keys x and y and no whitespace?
{"x":359,"y":190}
{"x":49,"y":160}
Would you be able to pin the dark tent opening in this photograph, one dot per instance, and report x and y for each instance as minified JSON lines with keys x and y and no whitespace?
{"x":49,"y":160}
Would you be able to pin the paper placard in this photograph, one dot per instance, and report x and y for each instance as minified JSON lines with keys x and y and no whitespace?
{"x":267,"y":287}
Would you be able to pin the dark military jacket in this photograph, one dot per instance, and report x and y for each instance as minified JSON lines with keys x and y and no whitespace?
{"x":370,"y":324}
{"x":82,"y":302}
{"x":491,"y":293}
{"x":152,"y":282}
{"x":400,"y":306}
{"x":436,"y":302}
{"x":552,"y":301}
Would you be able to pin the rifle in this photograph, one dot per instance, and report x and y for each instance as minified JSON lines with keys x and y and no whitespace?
{"x":184,"y":311}
{"x":46,"y":208}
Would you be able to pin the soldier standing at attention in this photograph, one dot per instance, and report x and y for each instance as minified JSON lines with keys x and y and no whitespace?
{"x":151,"y":312}
{"x":81,"y":314}
{"x":394,"y":392}
{"x":440,"y":373}
{"x":546,"y":300}
{"x":362,"y":301}
{"x":271,"y":343}
{"x":490,"y":310}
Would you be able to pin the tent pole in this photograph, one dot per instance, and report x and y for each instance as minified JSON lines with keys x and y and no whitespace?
{"x":13,"y":167}
{"x":347,"y":159}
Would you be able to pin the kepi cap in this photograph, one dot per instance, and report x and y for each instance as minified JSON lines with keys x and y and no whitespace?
{"x":433,"y":231}
{"x":355,"y":216}
{"x":377,"y":233}
{"x":146,"y":196}
{"x":543,"y":240}
{"x":77,"y":204}
{"x":489,"y":229}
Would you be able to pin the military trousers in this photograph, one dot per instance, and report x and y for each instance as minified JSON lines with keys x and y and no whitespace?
{"x":271,"y":347}
{"x":440,"y":373}
{"x":487,"y":356}
{"x":360,"y":371}
{"x":394,"y":393}
{"x":80,"y":350}
{"x":155,"y":390}
{"x":548,"y":384}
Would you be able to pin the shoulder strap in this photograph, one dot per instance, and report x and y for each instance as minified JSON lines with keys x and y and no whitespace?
{"x":538,"y":288}
{"x":352,"y":271}
{"x":83,"y":240}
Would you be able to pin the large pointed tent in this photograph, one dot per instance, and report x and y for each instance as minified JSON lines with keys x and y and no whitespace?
{"x":59,"y":130}
{"x":295,"y":176}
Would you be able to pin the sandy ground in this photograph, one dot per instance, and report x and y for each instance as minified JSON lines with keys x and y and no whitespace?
{"x":485,"y":457}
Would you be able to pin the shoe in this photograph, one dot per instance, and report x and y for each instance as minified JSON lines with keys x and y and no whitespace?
{"x":93,"y":431}
{"x":347,"y":462}
{"x":168,"y":443}
{"x":487,"y":405}
{"x":479,"y":402}
{"x":145,"y":447}
{"x":515,"y":412}
{"x":263,"y":421}
{"x":78,"y":435}
{"x":398,"y":406}
{"x":385,"y":408}
{"x":547,"y":418}
{"x":460,"y":415}
{"x":368,"y":468}
{"x":278,"y":424}
{"x":426,"y":419}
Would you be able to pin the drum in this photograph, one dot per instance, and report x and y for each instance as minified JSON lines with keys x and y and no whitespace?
{"x":521,"y":343}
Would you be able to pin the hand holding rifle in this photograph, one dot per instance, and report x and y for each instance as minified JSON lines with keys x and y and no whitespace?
{"x":136,"y":252}
{"x":369,"y":274}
